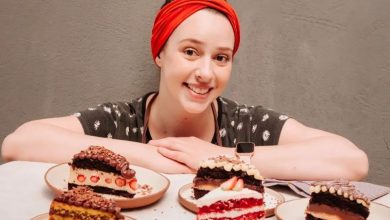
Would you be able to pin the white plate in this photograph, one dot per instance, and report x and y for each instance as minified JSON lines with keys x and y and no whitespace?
{"x":271,"y":199}
{"x":45,"y":216}
{"x":295,"y":210}
{"x":57,"y":180}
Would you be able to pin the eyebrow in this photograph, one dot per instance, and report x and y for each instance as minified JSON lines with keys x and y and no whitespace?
{"x":192,"y":40}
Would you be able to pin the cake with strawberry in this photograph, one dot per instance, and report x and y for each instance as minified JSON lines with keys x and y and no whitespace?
{"x":214,"y":171}
{"x":82,"y":203}
{"x":336,"y":200}
{"x":103,"y":171}
{"x":231,"y":201}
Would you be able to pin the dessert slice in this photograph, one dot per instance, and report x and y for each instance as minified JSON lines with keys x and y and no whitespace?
{"x":214,"y":171}
{"x":103,"y":171}
{"x":231,"y":201}
{"x":337,"y":200}
{"x":82,"y":203}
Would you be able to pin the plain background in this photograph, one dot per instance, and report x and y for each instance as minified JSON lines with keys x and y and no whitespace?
{"x":325,"y":63}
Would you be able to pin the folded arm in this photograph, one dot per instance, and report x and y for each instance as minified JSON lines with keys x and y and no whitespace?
{"x":56,"y":140}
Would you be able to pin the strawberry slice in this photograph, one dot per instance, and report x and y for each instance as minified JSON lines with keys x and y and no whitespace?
{"x":120,"y":182}
{"x":229,"y":184}
{"x":239,"y":185}
{"x":108,"y":180}
{"x":133,"y":184}
{"x":81,"y":178}
{"x":94,"y":179}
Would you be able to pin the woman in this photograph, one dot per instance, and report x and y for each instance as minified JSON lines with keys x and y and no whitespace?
{"x":193,"y":45}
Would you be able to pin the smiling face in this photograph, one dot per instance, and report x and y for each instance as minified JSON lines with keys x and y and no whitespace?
{"x":196,"y":61}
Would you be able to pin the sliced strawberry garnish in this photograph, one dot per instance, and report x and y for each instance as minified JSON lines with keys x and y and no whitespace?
{"x":108,"y":180}
{"x":81,"y":178}
{"x":120,"y":182}
{"x":239,"y":185}
{"x":229,"y":184}
{"x":133,"y":184}
{"x":94,"y":179}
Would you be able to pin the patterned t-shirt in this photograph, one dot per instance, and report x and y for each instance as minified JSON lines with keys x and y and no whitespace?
{"x":237,"y":123}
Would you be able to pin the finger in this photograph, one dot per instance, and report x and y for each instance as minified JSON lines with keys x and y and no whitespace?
{"x":168,"y":143}
{"x":173,"y":155}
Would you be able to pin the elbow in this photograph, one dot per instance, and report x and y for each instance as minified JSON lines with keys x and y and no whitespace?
{"x":7,"y":149}
{"x":359,"y":166}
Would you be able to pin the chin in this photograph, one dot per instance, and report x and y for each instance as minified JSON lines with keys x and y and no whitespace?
{"x":195,"y":107}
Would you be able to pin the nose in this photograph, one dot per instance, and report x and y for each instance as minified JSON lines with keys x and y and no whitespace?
{"x":205,"y":71}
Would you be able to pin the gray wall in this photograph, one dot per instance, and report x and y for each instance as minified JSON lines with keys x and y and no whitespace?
{"x":326,"y":63}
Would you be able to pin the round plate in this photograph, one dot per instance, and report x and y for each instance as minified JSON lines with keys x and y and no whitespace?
{"x":57,"y":180}
{"x":295,"y":209}
{"x":45,"y":216}
{"x":271,"y":199}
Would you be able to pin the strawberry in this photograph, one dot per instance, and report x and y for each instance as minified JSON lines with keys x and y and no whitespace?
{"x":108,"y":180}
{"x":81,"y":178}
{"x":94,"y":179}
{"x":120,"y":182}
{"x":229,"y":184}
{"x":239,"y":185}
{"x":133,"y":184}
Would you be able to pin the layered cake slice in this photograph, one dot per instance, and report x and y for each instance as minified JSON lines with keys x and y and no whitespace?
{"x":336,"y":200}
{"x":231,"y":201}
{"x":214,"y":171}
{"x":82,"y":203}
{"x":103,"y":171}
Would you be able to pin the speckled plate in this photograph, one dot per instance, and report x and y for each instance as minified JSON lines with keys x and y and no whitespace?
{"x":57,"y":180}
{"x":295,"y":210}
{"x":45,"y":216}
{"x":271,"y":199}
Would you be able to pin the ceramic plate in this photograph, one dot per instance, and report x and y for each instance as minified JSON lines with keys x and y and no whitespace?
{"x":57,"y":180}
{"x":46,"y":217}
{"x":271,"y":198}
{"x":295,"y":210}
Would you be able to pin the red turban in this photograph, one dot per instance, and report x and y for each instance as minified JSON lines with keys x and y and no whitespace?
{"x":175,"y":12}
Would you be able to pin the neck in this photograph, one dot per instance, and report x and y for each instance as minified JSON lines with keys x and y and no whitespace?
{"x":174,"y":121}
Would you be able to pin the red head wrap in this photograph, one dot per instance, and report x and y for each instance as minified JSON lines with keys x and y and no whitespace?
{"x":175,"y":12}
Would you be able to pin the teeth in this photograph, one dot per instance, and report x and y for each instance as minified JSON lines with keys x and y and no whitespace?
{"x":200,"y":91}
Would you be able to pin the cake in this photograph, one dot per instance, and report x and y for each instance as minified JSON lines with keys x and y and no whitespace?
{"x":82,"y":203}
{"x":336,"y":200}
{"x":214,"y":171}
{"x":231,"y":201}
{"x":103,"y":171}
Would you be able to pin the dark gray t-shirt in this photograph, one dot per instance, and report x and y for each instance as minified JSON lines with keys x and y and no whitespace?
{"x":237,"y":123}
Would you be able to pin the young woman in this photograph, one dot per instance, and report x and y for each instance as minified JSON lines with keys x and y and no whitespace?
{"x":172,"y":130}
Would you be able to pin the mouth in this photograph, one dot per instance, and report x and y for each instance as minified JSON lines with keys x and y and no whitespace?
{"x":198,"y":90}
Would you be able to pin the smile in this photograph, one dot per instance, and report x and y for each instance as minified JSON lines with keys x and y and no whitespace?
{"x":197,"y":90}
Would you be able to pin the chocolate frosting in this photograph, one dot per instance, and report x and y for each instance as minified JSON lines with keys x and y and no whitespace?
{"x":118,"y":162}
{"x":85,"y":197}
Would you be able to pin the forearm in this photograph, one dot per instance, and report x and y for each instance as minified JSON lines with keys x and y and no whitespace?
{"x":320,"y":158}
{"x":50,"y":143}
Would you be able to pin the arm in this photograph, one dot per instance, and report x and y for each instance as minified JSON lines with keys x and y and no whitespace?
{"x":303,"y":153}
{"x":58,"y":139}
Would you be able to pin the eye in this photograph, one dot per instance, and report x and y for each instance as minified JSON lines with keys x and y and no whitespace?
{"x":190,"y":52}
{"x":222,"y":58}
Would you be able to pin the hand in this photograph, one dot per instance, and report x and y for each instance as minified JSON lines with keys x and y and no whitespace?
{"x":188,"y":150}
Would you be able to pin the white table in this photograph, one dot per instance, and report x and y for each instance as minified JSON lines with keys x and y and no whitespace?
{"x":24,"y":194}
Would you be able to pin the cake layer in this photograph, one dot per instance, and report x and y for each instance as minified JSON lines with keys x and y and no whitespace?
{"x":221,"y":173}
{"x":310,"y":217}
{"x":330,"y":212}
{"x":91,"y":164}
{"x":102,"y":179}
{"x":242,"y":214}
{"x":344,"y":204}
{"x":230,"y":205}
{"x":219,"y":195}
{"x":105,"y":190}
{"x":59,"y":210}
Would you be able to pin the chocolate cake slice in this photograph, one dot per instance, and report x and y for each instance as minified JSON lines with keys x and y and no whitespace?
{"x":214,"y":171}
{"x":336,"y":200}
{"x":103,"y":171}
{"x":82,"y":203}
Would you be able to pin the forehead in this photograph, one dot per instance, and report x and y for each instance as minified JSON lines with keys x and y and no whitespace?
{"x":207,"y":26}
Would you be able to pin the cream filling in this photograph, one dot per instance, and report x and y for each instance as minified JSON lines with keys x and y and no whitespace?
{"x":224,"y":195}
{"x":74,"y":173}
{"x":231,"y":213}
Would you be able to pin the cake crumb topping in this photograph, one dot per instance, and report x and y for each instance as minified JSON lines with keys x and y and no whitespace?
{"x":341,"y":188}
